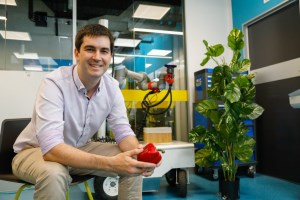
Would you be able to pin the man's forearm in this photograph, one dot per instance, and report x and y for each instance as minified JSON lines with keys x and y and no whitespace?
{"x":73,"y":157}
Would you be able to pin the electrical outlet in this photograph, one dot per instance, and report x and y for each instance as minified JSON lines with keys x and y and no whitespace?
{"x":266,"y":1}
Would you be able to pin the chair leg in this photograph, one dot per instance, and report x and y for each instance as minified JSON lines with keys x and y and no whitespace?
{"x":20,"y":190}
{"x":67,"y":194}
{"x":88,"y":190}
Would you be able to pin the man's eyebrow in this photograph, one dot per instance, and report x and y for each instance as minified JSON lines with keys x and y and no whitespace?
{"x":91,"y":46}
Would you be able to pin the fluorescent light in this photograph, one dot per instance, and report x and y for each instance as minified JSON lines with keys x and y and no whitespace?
{"x":147,"y":65}
{"x":8,"y":2}
{"x":122,"y":42}
{"x":15,"y":35}
{"x":118,"y":59}
{"x":142,"y":56}
{"x":157,"y":31}
{"x":150,"y":12}
{"x":158,"y":52}
{"x":33,"y":68}
{"x":47,"y":61}
{"x":26,"y":55}
{"x":3,"y":18}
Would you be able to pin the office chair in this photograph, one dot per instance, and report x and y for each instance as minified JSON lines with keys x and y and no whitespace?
{"x":10,"y":129}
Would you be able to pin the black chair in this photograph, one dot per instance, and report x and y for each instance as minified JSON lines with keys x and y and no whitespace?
{"x":10,"y":129}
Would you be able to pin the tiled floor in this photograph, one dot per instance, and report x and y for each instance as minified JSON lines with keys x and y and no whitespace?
{"x":259,"y":188}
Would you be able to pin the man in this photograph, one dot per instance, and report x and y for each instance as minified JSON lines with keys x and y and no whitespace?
{"x":71,"y":104}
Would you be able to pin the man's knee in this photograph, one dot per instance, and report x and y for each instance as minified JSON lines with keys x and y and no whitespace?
{"x":55,"y":174}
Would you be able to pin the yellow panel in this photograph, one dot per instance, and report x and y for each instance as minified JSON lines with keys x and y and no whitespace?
{"x":138,"y":95}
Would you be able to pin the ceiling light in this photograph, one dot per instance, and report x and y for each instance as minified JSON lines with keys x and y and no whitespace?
{"x":147,"y":65}
{"x":150,"y":12}
{"x":158,"y":52}
{"x":157,"y":31}
{"x":15,"y":35}
{"x":142,"y":56}
{"x":8,"y":2}
{"x":3,"y":18}
{"x":121,"y":42}
{"x":118,"y":59}
{"x":33,"y":68}
{"x":26,"y":55}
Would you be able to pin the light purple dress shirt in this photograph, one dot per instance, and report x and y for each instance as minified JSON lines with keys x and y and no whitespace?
{"x":63,"y":113}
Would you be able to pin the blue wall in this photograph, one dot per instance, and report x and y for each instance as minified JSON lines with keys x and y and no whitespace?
{"x":245,"y":10}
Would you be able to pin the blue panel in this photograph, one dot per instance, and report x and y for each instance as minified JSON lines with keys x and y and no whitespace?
{"x":246,"y":10}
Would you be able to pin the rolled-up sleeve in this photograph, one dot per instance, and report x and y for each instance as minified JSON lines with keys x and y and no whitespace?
{"x":117,"y":119}
{"x":49,"y":116}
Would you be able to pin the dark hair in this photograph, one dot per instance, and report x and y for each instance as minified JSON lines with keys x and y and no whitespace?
{"x":93,"y":30}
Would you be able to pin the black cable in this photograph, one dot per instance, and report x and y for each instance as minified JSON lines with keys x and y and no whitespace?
{"x":146,"y":105}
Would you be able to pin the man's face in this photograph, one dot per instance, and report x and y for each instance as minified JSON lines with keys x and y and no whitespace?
{"x":94,"y":57}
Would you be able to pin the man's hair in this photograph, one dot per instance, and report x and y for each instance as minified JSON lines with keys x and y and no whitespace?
{"x":93,"y":30}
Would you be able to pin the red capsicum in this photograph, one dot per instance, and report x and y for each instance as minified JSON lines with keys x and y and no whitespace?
{"x":150,"y":154}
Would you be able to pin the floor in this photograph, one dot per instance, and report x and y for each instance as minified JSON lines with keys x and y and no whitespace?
{"x":260,"y":187}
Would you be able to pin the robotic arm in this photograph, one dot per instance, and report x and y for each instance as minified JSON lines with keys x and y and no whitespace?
{"x":144,"y":83}
{"x":142,"y":80}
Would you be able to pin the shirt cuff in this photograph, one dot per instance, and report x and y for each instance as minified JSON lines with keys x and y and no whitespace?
{"x":49,"y":140}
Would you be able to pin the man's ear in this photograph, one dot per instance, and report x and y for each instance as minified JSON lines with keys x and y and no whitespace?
{"x":76,"y":52}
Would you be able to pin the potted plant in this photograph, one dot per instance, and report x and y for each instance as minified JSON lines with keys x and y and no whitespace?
{"x":230,"y":103}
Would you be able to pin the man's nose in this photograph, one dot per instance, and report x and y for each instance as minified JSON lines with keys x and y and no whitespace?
{"x":97,"y":55}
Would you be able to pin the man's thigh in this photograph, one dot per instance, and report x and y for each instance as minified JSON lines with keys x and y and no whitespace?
{"x":29,"y":164}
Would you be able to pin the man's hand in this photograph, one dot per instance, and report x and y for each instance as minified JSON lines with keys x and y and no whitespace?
{"x":125,"y":163}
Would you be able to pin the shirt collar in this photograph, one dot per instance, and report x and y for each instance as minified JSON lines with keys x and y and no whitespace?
{"x":78,"y":82}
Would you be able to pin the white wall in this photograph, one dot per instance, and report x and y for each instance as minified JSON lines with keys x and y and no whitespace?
{"x":204,"y":19}
{"x":18,"y":91}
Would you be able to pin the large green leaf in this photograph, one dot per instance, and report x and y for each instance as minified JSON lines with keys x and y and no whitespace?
{"x":197,"y":134}
{"x":235,"y":40}
{"x":257,"y":110}
{"x":205,"y":157}
{"x":244,"y":65}
{"x":244,"y":148}
{"x":232,"y":92}
{"x":220,"y":77}
{"x":242,"y":81}
{"x":209,"y":108}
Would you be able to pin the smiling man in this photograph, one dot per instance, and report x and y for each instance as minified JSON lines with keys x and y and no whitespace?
{"x":71,"y":104}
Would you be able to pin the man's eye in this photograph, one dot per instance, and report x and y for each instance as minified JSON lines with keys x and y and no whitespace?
{"x":89,"y":50}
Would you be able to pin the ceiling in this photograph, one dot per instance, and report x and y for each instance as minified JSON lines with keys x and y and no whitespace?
{"x":88,"y":9}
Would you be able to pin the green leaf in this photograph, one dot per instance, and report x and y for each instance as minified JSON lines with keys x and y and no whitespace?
{"x":232,"y":92}
{"x":257,"y":111}
{"x":209,"y":108}
{"x":205,"y":60}
{"x":215,"y":50}
{"x":197,"y":134}
{"x":235,"y":40}
{"x":244,"y":65}
{"x":244,"y":149}
{"x":205,"y":157}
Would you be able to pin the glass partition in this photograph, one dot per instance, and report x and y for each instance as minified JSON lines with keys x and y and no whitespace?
{"x":37,"y":35}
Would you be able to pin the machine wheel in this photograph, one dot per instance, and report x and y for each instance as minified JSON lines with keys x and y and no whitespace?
{"x":106,"y":188}
{"x":199,"y":170}
{"x":171,"y":177}
{"x":181,"y":185}
{"x":215,"y":174}
{"x":251,"y":171}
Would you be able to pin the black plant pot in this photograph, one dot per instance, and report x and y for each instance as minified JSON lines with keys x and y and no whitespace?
{"x":230,"y":190}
